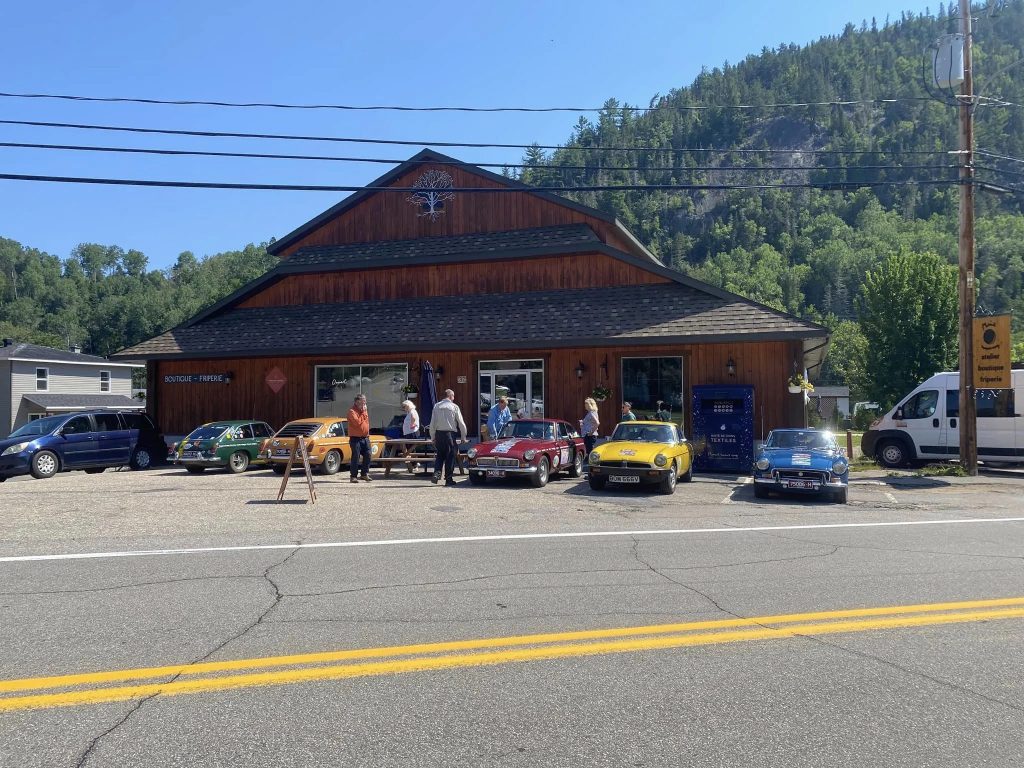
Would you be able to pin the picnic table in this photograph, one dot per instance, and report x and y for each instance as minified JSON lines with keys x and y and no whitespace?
{"x":415,"y":451}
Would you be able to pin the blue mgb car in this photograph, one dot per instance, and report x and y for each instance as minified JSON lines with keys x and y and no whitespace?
{"x":801,"y":461}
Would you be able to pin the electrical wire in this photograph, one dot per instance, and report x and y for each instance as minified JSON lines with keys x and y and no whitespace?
{"x":830,"y":185}
{"x":1008,"y":158}
{"x":462,"y":163}
{"x":475,"y":145}
{"x":397,"y":108}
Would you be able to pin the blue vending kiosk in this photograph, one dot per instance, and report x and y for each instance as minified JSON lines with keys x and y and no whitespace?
{"x":723,"y":428}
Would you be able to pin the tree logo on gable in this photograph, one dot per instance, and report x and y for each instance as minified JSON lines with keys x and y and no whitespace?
{"x":430,"y":192}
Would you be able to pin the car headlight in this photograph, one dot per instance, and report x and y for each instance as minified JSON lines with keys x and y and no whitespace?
{"x":528,"y":455}
{"x":594,"y":458}
{"x":763,"y":464}
{"x":840,"y":466}
{"x":16,"y":448}
{"x":471,"y":453}
{"x":661,"y":460}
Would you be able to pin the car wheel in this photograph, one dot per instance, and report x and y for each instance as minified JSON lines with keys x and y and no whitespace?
{"x":44,"y":465}
{"x":238,"y":462}
{"x":841,"y":496}
{"x":760,"y":491}
{"x":668,"y":483}
{"x":576,"y":470}
{"x":892,"y":454}
{"x":141,"y":459}
{"x":597,"y":483}
{"x":277,"y":469}
{"x":475,"y":479}
{"x":688,"y":477}
{"x":331,"y":463}
{"x":94,"y":470}
{"x":540,"y":478}
{"x":195,"y":470}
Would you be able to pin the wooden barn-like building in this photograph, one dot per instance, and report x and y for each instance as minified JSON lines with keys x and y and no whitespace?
{"x":517,"y":292}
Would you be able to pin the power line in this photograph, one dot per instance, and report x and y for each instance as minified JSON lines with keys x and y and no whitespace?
{"x":462,"y":163}
{"x":474,"y":145}
{"x":398,"y":108}
{"x":998,"y":170}
{"x":829,"y":186}
{"x":993,"y":155}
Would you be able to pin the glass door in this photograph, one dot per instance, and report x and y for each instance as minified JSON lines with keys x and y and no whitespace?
{"x":520,"y":381}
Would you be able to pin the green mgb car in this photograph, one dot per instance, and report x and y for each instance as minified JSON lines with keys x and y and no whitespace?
{"x":230,"y":444}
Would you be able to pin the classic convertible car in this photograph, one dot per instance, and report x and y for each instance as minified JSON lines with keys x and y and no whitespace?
{"x":536,"y":448}
{"x":326,"y":441}
{"x":642,"y":452}
{"x":230,"y":444}
{"x":801,"y":461}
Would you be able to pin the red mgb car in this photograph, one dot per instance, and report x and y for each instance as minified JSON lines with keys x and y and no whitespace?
{"x":536,"y":448}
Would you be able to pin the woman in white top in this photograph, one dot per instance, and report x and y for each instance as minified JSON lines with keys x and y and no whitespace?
{"x":410,"y":427}
{"x":589,"y":424}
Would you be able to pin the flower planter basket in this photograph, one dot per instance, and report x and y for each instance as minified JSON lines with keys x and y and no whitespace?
{"x":795,"y":390}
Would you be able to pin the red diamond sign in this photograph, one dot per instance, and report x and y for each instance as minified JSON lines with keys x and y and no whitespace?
{"x":276,"y":379}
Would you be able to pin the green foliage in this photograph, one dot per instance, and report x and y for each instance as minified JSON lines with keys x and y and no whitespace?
{"x":847,"y":358}
{"x":908,"y":313}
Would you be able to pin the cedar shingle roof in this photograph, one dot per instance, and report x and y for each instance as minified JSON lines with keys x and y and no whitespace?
{"x":637,"y":314}
{"x":428,"y":249}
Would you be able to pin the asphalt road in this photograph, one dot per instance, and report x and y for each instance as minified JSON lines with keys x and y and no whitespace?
{"x":400,"y":623}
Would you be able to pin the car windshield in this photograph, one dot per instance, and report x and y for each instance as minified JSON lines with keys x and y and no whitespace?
{"x":799,"y":440}
{"x":39,"y":427}
{"x":207,"y":432}
{"x":535,"y":430}
{"x":645,"y":433}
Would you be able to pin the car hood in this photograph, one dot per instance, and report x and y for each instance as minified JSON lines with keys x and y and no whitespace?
{"x":7,"y":442}
{"x":512,"y":446}
{"x":817,"y":458}
{"x":629,"y":450}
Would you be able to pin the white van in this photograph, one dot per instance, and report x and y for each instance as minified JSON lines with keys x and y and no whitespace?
{"x":925,"y":426}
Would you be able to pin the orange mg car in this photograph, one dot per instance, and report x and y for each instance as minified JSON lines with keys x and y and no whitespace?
{"x":326,"y":441}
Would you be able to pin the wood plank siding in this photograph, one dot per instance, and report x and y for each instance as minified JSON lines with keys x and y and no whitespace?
{"x":594,"y":270}
{"x":178,"y":408}
{"x":389,"y":216}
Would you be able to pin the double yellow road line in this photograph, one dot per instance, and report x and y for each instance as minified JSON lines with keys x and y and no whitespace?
{"x":125,"y":684}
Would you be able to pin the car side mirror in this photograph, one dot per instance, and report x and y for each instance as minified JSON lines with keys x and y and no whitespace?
{"x":898,"y":415}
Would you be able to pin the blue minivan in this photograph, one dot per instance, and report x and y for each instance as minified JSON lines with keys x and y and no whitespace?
{"x":90,"y":440}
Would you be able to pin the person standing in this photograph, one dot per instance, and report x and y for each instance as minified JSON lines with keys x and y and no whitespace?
{"x":445,"y":422}
{"x":499,"y":416}
{"x":663,"y":414}
{"x":359,"y":439}
{"x":589,"y":425}
{"x":627,"y":412}
{"x":410,"y":428}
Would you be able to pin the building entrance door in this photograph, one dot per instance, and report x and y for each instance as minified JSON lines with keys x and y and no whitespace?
{"x":523,"y":387}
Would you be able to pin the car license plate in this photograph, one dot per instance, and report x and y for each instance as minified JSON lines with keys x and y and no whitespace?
{"x":495,"y":472}
{"x":190,"y":455}
{"x":799,"y":484}
{"x":624,"y":479}
{"x":282,"y":452}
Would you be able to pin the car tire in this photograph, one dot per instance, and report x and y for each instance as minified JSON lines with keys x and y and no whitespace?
{"x":238,"y":462}
{"x":195,"y":470}
{"x":331,"y":463}
{"x":667,"y":485}
{"x":540,"y":478}
{"x":597,"y":483}
{"x":760,"y":491}
{"x":141,"y":459}
{"x":95,"y":470}
{"x":841,"y":496}
{"x":475,"y":479}
{"x":688,"y":477}
{"x":892,"y":454}
{"x":45,"y":465}
{"x":576,"y":470}
{"x":277,"y":469}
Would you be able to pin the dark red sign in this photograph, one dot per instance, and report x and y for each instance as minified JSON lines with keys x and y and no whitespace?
{"x":276,"y":379}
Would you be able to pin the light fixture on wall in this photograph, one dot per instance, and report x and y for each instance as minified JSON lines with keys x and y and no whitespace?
{"x":580,"y":369}
{"x":730,"y":367}
{"x":439,"y":372}
{"x":228,"y":377}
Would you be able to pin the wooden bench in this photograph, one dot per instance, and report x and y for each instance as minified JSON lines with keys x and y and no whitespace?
{"x":419,"y":451}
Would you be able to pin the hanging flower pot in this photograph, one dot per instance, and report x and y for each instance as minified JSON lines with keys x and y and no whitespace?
{"x":795,"y":390}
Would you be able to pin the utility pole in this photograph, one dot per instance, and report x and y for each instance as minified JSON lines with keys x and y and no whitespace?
{"x":968,"y":405}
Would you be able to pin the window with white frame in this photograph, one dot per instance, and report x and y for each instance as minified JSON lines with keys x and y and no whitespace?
{"x":104,"y":381}
{"x":34,"y":416}
{"x":42,"y":379}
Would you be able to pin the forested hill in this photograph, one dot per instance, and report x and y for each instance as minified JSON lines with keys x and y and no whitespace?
{"x":807,"y":250}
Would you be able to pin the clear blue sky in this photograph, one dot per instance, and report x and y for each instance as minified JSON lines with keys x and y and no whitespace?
{"x":411,"y":53}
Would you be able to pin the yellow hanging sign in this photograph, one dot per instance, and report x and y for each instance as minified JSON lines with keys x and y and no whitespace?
{"x":992,"y":347}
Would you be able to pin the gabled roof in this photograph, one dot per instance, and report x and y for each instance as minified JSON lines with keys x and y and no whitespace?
{"x":55,"y":402}
{"x":629,"y":315}
{"x":429,"y":156}
{"x":37,"y":353}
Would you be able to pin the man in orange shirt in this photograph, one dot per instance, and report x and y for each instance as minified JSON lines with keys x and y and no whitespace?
{"x":359,"y":439}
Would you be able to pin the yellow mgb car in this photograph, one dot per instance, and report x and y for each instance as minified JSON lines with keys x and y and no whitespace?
{"x":326,"y":441}
{"x":642,"y":453}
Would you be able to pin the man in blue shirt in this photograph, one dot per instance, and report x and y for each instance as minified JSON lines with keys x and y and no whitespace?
{"x":498,"y":418}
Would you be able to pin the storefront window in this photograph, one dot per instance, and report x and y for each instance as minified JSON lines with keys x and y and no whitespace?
{"x":520,"y":381}
{"x":338,"y":385}
{"x":648,"y":380}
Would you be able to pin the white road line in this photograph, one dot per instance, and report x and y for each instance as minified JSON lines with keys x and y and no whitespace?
{"x":890,"y":497}
{"x":497,"y":537}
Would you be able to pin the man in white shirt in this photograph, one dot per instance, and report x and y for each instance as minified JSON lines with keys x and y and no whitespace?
{"x":445,"y":422}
